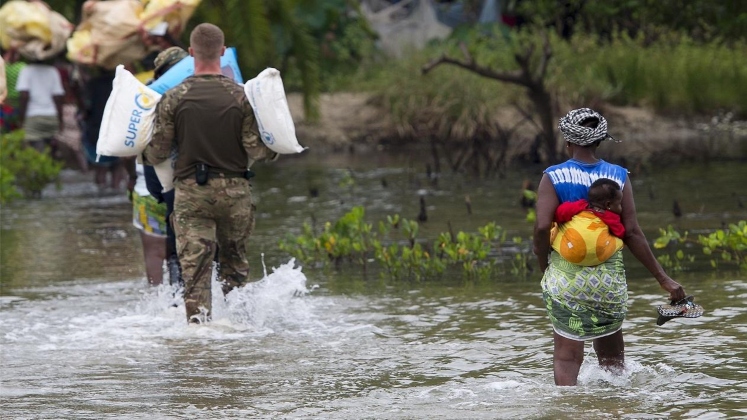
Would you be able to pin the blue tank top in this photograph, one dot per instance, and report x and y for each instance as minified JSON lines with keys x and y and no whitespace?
{"x":572,"y":178}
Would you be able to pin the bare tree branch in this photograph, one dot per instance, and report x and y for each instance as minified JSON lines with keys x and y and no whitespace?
{"x":528,"y":76}
{"x":508,"y":77}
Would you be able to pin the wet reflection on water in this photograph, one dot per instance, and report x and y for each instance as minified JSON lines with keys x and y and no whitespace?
{"x":82,"y":336}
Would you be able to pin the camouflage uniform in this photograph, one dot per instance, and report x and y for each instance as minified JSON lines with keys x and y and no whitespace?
{"x":167,"y":58}
{"x":219,"y":215}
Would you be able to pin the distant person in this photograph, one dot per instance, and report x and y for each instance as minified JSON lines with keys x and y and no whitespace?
{"x":588,"y":302}
{"x":70,"y":135}
{"x":41,"y":94}
{"x":9,"y":108}
{"x":165,"y":60}
{"x":590,"y":231}
{"x":96,"y":85}
{"x":3,"y":84}
{"x":149,"y":217}
{"x":210,"y":121}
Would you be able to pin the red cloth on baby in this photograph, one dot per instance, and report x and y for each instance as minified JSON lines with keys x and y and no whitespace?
{"x":567,"y":210}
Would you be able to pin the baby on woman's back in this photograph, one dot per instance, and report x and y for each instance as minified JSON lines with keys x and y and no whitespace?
{"x":589,"y":231}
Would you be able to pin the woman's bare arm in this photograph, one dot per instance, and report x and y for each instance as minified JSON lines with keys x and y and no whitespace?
{"x":547,"y":202}
{"x":636,"y":242}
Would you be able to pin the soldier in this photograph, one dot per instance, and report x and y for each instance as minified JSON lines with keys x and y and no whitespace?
{"x":211,"y":123}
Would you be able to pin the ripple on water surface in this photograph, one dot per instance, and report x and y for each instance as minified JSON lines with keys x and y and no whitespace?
{"x":276,"y":348}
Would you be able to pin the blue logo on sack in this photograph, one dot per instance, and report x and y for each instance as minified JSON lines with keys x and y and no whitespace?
{"x":145,"y":102}
{"x":268,"y":138}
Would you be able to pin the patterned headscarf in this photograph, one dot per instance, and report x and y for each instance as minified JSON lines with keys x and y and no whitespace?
{"x":583,"y":136}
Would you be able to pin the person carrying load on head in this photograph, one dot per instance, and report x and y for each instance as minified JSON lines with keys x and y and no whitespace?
{"x":41,"y":95}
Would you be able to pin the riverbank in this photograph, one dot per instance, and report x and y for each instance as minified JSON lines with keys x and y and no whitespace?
{"x":353,"y":120}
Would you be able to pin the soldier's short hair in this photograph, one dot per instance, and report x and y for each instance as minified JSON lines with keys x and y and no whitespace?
{"x":206,"y":41}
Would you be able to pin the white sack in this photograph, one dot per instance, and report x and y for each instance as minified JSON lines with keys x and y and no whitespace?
{"x":267,"y":97}
{"x":128,"y":119}
{"x":165,"y":171}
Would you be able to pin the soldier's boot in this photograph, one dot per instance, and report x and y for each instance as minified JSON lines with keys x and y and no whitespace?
{"x":230,"y":282}
{"x":196,"y":313}
{"x":175,"y":272}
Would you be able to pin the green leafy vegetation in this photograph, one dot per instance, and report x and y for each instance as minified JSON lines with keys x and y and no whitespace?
{"x":397,"y":252}
{"x":673,"y":74}
{"x":727,"y":246}
{"x":706,"y":20}
{"x":23,"y":170}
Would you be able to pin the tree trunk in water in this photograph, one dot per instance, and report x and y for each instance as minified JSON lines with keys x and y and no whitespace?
{"x":529,"y":76}
{"x":543,"y":104}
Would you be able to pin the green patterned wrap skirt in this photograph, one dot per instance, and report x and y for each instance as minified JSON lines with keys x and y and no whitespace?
{"x":585,"y":303}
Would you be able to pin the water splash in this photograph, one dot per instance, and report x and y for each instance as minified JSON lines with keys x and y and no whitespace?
{"x":274,"y":301}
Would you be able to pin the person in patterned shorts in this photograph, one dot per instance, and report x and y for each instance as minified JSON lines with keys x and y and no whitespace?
{"x":588,"y":302}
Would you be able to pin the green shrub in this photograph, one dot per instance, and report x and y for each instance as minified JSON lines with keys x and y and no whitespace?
{"x":722,"y":245}
{"x":8,"y":191}
{"x":23,"y":170}
{"x":400,"y":254}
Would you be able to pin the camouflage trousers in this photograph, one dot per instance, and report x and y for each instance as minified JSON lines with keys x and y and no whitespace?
{"x":218,"y":216}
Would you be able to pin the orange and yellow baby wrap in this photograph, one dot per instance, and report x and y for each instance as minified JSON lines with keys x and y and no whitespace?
{"x":584,"y":240}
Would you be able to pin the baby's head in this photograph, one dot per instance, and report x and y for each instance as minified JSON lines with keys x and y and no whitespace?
{"x":605,"y":194}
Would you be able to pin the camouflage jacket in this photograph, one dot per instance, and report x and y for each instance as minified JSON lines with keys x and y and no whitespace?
{"x":206,"y":119}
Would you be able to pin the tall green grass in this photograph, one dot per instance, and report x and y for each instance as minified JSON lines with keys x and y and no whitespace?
{"x":673,"y":75}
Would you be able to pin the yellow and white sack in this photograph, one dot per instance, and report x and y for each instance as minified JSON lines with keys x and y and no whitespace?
{"x":34,"y":29}
{"x":110,"y":34}
{"x":174,"y":13}
{"x":127,"y":125}
{"x":266,"y":94}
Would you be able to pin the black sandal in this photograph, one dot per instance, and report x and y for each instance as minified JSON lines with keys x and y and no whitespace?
{"x":684,"y":308}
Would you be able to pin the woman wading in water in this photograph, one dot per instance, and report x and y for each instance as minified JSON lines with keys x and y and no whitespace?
{"x":588,"y":302}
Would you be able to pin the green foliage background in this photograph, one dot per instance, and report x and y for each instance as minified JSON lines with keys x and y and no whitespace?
{"x":397,"y":252}
{"x":678,"y":56}
{"x":674,"y":75}
{"x":23,"y":170}
{"x":723,"y":246}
